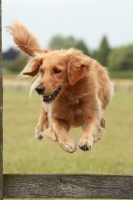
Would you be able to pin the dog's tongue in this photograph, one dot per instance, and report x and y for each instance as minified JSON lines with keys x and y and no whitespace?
{"x":51,"y":97}
{"x":46,"y":98}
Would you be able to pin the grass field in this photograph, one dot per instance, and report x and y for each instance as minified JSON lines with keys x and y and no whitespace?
{"x":24,"y":154}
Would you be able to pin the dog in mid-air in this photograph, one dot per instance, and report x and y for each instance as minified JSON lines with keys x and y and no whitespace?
{"x":74,"y":89}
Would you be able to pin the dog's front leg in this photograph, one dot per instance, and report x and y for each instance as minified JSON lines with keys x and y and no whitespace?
{"x":60,"y":129}
{"x":90,"y":130}
{"x":41,"y":125}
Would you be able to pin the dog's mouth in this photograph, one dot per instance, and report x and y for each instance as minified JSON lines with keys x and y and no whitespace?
{"x":52,"y":96}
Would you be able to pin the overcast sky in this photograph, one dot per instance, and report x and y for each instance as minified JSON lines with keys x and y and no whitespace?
{"x":84,"y":19}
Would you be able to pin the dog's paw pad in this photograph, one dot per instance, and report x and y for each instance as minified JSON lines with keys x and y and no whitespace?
{"x":39,"y":137}
{"x":85,"y":147}
{"x":85,"y":144}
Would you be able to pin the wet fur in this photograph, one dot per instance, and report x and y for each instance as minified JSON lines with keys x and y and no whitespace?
{"x":85,"y":92}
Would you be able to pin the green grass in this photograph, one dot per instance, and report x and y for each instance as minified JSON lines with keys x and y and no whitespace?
{"x":24,"y":154}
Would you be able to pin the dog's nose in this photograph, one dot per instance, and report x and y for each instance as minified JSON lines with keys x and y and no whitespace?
{"x":40,"y":89}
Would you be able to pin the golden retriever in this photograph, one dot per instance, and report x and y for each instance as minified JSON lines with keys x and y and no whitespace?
{"x":74,"y":90}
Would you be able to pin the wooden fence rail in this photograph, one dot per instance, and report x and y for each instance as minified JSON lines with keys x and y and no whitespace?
{"x":67,"y":186}
{"x":59,"y":186}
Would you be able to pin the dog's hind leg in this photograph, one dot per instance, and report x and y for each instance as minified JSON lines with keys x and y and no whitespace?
{"x":100,"y":133}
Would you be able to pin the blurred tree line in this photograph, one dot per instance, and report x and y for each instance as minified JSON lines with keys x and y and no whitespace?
{"x":119,"y":60}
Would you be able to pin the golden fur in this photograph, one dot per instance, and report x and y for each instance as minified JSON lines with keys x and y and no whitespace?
{"x":74,"y":90}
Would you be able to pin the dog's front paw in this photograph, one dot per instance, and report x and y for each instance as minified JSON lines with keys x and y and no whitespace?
{"x":68,"y":145}
{"x":85,"y":143}
{"x":39,"y":135}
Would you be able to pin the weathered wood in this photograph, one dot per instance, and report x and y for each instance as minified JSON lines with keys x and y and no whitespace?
{"x":1,"y":118}
{"x":68,"y":186}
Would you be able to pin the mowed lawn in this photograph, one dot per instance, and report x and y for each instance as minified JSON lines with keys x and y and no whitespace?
{"x":24,"y":154}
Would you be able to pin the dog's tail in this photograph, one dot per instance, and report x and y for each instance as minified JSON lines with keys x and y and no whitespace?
{"x":25,"y":39}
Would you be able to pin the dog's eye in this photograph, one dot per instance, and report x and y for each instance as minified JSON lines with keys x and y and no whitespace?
{"x":56,"y":71}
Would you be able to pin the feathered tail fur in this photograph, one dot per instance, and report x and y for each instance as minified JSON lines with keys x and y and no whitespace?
{"x":25,"y":39}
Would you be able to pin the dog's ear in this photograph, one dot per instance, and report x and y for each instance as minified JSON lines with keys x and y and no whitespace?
{"x":77,"y":65}
{"x":32,"y":68}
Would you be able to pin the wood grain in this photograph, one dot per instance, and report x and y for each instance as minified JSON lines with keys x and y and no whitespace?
{"x":68,"y":186}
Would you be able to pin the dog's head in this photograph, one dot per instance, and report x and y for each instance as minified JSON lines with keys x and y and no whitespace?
{"x":57,"y":70}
